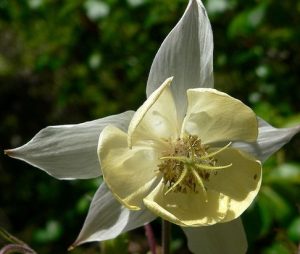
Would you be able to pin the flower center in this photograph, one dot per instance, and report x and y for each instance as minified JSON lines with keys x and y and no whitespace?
{"x":188,"y":165}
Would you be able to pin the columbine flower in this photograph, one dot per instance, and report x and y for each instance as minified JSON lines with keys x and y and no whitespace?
{"x":69,"y":151}
{"x":186,"y":173}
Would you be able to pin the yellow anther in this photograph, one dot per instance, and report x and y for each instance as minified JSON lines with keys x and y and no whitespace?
{"x":180,"y":179}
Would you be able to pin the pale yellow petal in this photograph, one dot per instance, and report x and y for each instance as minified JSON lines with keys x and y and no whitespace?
{"x":156,"y":119}
{"x":215,"y":116}
{"x":129,"y":173}
{"x":187,"y":209}
{"x":240,"y":182}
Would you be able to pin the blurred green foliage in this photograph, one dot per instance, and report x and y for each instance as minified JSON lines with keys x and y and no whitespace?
{"x":72,"y":61}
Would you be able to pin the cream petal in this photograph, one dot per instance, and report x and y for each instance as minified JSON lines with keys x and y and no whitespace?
{"x":69,"y":151}
{"x":215,"y":116}
{"x":156,"y":119}
{"x":240,"y":182}
{"x":129,"y":173}
{"x":107,"y":218}
{"x":225,"y":238}
{"x":187,"y":209}
{"x":186,"y":54}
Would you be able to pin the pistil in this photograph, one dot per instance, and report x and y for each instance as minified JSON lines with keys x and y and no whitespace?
{"x":188,"y":164}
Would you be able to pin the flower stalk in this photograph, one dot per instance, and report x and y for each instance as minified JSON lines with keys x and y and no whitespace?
{"x":16,"y":248}
{"x":166,"y":236}
{"x":150,"y":238}
{"x":15,"y":244}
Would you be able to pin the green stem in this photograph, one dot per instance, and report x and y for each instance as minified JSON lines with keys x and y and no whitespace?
{"x":166,"y":236}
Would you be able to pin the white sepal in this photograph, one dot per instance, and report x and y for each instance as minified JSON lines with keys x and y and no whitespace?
{"x":225,"y":238}
{"x":270,"y":140}
{"x":107,"y":218}
{"x":186,"y":54}
{"x":69,"y":151}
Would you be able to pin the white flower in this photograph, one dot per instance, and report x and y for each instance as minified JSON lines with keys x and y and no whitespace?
{"x":186,"y":173}
{"x":69,"y":151}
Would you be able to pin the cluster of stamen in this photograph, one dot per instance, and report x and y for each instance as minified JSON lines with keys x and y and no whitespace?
{"x":188,"y":165}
